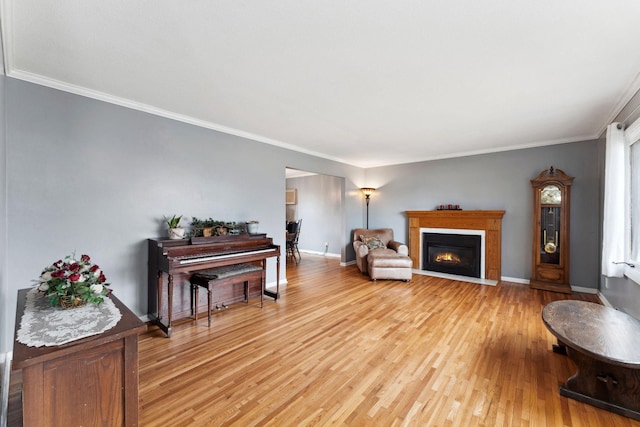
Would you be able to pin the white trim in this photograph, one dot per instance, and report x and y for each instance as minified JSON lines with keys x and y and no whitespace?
{"x":515,"y":280}
{"x":604,"y":300}
{"x":101,"y":96}
{"x":4,"y":392}
{"x":632,"y":133}
{"x":627,"y":95}
{"x":6,"y":25}
{"x":465,"y":231}
{"x":123,"y":102}
{"x":632,"y":274}
{"x":573,"y":288}
{"x":584,"y":290}
{"x":273,"y":285}
{"x":487,"y":282}
{"x":348,"y":263}
{"x":328,"y":255}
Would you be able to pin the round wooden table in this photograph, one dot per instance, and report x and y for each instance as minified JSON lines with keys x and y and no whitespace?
{"x":604,"y":343}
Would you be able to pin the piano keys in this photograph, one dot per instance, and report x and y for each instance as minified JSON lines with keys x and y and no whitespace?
{"x":171,"y":263}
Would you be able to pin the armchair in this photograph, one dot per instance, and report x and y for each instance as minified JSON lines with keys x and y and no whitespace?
{"x":380,"y":256}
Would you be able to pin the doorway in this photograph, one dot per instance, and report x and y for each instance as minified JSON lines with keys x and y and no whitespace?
{"x":319,"y":201}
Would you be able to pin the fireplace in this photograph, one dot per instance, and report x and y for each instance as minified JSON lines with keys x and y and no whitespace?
{"x":458,"y":254}
{"x":486,"y":223}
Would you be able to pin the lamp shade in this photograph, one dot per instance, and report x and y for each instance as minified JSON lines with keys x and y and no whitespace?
{"x":367,"y":191}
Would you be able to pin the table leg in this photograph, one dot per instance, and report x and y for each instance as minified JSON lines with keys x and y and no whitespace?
{"x":559,"y":348}
{"x":611,"y":387}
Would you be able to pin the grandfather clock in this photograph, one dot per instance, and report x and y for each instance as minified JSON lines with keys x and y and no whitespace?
{"x":551,"y":203}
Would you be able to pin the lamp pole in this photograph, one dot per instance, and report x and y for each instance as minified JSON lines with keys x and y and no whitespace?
{"x":367,"y":191}
{"x":367,"y":198}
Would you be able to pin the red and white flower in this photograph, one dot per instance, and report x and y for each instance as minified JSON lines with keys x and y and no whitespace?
{"x":73,"y":278}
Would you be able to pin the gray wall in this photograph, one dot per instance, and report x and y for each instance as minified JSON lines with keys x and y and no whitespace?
{"x":498,"y":181}
{"x":90,"y":177}
{"x":319,"y":205}
{"x":87,"y":176}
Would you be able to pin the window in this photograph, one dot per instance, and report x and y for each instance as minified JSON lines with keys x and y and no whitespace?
{"x":634,"y":201}
{"x":621,"y":222}
{"x":632,"y":233}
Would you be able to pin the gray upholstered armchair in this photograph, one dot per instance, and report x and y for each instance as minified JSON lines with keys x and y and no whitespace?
{"x":378,"y":255}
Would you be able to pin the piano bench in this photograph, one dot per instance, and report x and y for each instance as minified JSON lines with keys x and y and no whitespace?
{"x":221,"y":276}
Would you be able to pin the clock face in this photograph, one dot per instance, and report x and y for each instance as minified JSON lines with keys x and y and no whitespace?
{"x":551,"y":195}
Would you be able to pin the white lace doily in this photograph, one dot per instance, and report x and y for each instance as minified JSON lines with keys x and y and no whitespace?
{"x":43,"y":325}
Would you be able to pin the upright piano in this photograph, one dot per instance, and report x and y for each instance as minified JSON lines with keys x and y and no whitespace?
{"x":171,"y":263}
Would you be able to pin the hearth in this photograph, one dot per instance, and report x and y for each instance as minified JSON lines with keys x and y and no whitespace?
{"x":458,"y":254}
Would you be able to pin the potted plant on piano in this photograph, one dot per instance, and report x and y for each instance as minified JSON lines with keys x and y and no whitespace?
{"x":175,"y":231}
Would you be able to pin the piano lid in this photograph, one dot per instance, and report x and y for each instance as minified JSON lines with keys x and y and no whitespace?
{"x":227,"y":238}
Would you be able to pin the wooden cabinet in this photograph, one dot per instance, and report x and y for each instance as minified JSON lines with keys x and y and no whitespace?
{"x":550,"y":250}
{"x":92,"y":381}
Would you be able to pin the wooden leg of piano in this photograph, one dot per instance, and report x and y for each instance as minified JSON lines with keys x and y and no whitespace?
{"x":262,"y":282}
{"x":170,"y":304}
{"x":275,"y":295}
{"x":159,"y":297}
{"x":159,"y":317}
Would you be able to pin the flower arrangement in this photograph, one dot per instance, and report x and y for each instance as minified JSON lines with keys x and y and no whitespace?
{"x":72,"y":282}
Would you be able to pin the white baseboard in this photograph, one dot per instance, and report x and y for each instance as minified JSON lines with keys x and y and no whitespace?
{"x":514,"y":280}
{"x":604,"y":300}
{"x":573,"y":288}
{"x":476,"y":280}
{"x":345,"y":264}
{"x":4,"y":392}
{"x":273,"y":285}
{"x":327,"y":254}
{"x":584,"y":290}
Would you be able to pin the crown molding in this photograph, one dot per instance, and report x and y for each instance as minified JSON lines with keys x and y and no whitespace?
{"x":632,"y":88}
{"x":139,"y":106}
{"x":101,"y":96}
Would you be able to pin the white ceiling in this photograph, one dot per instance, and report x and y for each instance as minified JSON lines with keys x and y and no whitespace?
{"x":368,"y":83}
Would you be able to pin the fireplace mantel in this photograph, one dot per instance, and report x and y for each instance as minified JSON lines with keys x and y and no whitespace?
{"x":489,"y":221}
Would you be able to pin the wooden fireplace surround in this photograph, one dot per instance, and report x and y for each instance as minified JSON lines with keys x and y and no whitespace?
{"x":489,"y":221}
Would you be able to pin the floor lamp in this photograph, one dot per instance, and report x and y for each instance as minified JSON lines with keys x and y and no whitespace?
{"x":367,"y":191}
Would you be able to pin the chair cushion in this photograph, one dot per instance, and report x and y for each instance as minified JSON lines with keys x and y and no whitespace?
{"x":387,"y":258}
{"x":224,"y":272}
{"x":373,"y":242}
{"x":385,"y":234}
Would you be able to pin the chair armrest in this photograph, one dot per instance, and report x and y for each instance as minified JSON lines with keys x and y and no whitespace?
{"x":399,"y":247}
{"x":361,"y":249}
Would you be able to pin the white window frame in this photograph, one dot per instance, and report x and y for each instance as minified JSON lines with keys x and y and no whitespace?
{"x":631,"y":270}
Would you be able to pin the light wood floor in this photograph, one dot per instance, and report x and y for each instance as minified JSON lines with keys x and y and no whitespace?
{"x":337,"y":349}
